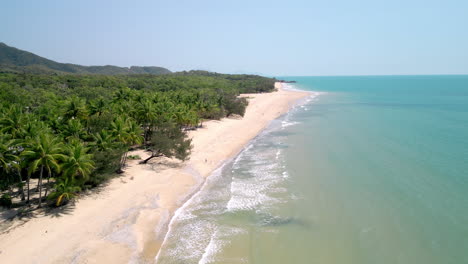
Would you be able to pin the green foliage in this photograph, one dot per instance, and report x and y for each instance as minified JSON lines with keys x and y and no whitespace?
{"x":97,"y":123}
{"x":15,"y":60}
{"x":169,"y":141}
{"x":8,"y":162}
{"x":134,"y":157}
{"x":106,"y":162}
{"x":234,"y":105}
{"x":78,"y":164}
{"x":76,"y":130}
{"x":5,"y":201}
{"x":12,"y":122}
{"x":43,"y":153}
{"x":64,"y":191}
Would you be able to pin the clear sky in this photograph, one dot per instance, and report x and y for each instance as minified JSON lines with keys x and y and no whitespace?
{"x":289,"y":37}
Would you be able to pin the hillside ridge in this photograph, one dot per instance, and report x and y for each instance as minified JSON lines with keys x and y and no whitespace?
{"x":20,"y":61}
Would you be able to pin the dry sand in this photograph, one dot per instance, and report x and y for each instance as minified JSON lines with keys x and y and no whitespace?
{"x":126,"y":220}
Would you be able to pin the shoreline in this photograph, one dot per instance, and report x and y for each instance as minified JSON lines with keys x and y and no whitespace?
{"x":199,"y":187}
{"x":145,"y":200}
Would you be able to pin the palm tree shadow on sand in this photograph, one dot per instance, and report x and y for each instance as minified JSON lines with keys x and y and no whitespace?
{"x":60,"y":211}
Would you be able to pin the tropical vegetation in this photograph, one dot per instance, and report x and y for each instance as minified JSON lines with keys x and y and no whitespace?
{"x":61,"y":134}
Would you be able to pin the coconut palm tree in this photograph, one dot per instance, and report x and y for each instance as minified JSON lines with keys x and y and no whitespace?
{"x":64,"y":191}
{"x":123,"y":94}
{"x":103,"y":141}
{"x":127,"y":133}
{"x":44,"y":152}
{"x":119,"y":130}
{"x":97,"y":107}
{"x":75,"y":108}
{"x":132,"y":136}
{"x":32,"y":129}
{"x":12,"y":122}
{"x":77,"y":163}
{"x":73,"y":130}
{"x":146,"y":115}
{"x":8,"y":159}
{"x":133,"y":133}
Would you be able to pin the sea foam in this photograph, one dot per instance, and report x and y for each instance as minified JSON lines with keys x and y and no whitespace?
{"x":245,"y":188}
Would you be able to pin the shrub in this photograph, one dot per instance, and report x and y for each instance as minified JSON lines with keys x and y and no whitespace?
{"x":133,"y":157}
{"x":64,"y":191}
{"x":5,"y":201}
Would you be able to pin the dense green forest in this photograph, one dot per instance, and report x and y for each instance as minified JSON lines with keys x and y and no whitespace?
{"x":66,"y":133}
{"x":20,"y":61}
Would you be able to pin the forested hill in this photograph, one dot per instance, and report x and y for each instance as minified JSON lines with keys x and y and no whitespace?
{"x":14,"y":60}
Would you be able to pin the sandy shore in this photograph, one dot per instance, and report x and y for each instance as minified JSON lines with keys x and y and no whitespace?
{"x":126,"y":220}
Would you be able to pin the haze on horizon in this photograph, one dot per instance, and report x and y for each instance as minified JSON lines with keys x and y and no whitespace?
{"x":275,"y":38}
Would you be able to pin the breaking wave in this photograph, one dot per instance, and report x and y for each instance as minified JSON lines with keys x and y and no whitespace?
{"x":242,"y":193}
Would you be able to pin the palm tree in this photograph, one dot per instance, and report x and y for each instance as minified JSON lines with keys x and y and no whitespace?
{"x":64,"y":191}
{"x":121,"y":107}
{"x":133,"y":133}
{"x":180,"y":115}
{"x":103,"y":141}
{"x":75,"y":108}
{"x":73,"y":130}
{"x":44,"y":153}
{"x":118,"y":129}
{"x":132,"y":136}
{"x":32,"y":129}
{"x":127,"y":133}
{"x":77,"y":164}
{"x":97,"y":107}
{"x":146,"y":115}
{"x":193,"y":118}
{"x":164,"y":110}
{"x":19,"y":165}
{"x":8,"y":159}
{"x":12,"y":122}
{"x":123,"y":94}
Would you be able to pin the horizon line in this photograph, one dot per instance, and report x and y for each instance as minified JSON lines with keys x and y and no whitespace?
{"x":370,"y":75}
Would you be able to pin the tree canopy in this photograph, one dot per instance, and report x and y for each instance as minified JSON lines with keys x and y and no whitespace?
{"x":75,"y":130}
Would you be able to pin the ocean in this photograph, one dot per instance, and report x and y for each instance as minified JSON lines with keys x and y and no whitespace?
{"x":368,"y":169}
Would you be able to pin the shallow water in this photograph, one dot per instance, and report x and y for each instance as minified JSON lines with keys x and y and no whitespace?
{"x":372,"y":170}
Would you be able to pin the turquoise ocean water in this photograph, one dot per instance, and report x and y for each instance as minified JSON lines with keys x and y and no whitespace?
{"x":366,"y":170}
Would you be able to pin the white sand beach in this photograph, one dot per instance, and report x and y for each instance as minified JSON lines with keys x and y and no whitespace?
{"x":126,"y":220}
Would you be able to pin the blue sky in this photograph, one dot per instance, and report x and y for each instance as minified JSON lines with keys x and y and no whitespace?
{"x":275,"y":38}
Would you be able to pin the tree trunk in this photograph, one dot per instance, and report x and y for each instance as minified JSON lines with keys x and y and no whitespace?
{"x":40,"y":187}
{"x":124,"y":159}
{"x":27,"y":183}
{"x":150,"y":157}
{"x":146,"y":134}
{"x":20,"y":187}
{"x":48,"y":186}
{"x":122,"y":163}
{"x":10,"y":189}
{"x":146,"y":160}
